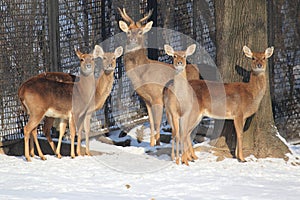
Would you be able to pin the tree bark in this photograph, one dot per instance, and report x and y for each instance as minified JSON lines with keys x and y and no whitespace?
{"x":240,"y":23}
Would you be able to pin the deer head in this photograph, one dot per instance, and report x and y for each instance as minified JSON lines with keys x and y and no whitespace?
{"x":87,"y":61}
{"x":179,"y":57}
{"x":135,"y":31}
{"x":259,"y":59}
{"x":109,"y":59}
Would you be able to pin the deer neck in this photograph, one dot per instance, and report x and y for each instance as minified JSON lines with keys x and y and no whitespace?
{"x":134,"y":58}
{"x":180,"y":84}
{"x":103,"y":88}
{"x":87,"y":83}
{"x":258,"y":84}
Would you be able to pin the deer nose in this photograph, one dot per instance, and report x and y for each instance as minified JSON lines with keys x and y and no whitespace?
{"x":179,"y":63}
{"x":133,"y":40}
{"x":88,"y":66}
{"x":259,"y":65}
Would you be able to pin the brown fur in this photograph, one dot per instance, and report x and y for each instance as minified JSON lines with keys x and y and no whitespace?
{"x":45,"y":97}
{"x":147,"y":76}
{"x":236,"y":101}
{"x":103,"y":88}
{"x":180,"y":102}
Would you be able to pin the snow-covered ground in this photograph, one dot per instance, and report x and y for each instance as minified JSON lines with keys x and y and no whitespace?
{"x":130,"y":173}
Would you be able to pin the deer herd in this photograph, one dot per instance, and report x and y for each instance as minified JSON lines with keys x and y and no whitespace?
{"x":176,"y":87}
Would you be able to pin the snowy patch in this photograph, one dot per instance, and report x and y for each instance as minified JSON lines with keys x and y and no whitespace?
{"x":131,"y":173}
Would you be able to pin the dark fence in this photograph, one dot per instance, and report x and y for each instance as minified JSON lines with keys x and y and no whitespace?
{"x":284,"y":34}
{"x":40,"y":35}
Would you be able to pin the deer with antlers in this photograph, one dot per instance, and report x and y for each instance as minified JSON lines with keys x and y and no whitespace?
{"x":235,"y":101}
{"x":180,"y":103}
{"x":42,"y":97}
{"x":147,"y":76}
{"x":104,"y":86}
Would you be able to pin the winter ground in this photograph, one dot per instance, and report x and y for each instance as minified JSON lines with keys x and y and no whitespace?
{"x":130,"y":173}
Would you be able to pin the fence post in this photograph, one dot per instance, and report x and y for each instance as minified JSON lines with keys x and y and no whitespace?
{"x":152,"y":36}
{"x":53,"y":35}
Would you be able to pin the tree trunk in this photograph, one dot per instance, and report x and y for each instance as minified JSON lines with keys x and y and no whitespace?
{"x":240,"y":23}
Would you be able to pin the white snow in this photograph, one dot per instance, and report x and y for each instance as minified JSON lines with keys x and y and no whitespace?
{"x":130,"y":173}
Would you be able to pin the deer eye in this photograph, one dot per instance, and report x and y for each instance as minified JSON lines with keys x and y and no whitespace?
{"x":140,"y":32}
{"x":175,"y":56}
{"x":81,"y":60}
{"x":253,"y":58}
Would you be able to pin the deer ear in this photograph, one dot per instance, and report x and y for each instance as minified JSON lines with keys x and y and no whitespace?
{"x":78,"y":52}
{"x":123,"y":26}
{"x":269,"y":52}
{"x":147,"y":27}
{"x":119,"y":51}
{"x":169,"y":50}
{"x":190,"y":50}
{"x":247,"y":51}
{"x":98,"y":52}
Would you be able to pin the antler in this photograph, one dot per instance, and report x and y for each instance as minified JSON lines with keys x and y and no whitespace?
{"x":145,"y":18}
{"x":125,"y":16}
{"x":130,"y":20}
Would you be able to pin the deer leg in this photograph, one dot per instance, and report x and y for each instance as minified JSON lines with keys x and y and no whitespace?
{"x":41,"y":155}
{"x":87,"y":129}
{"x":184,"y":156}
{"x":175,"y":135}
{"x":28,"y":129}
{"x":78,"y":149}
{"x":26,"y":145}
{"x":152,"y":140}
{"x":170,"y":120}
{"x":72,"y":132}
{"x":62,"y":129}
{"x":157,"y":111}
{"x":48,"y":123}
{"x":238,"y":124}
{"x":31,"y":145}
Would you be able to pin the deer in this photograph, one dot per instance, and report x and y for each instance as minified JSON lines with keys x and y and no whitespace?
{"x":104,"y":86}
{"x":147,"y":76}
{"x":180,"y":103}
{"x":70,"y":101}
{"x":235,"y":101}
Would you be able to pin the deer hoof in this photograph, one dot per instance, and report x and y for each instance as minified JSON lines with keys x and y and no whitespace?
{"x":58,"y":156}
{"x":185,"y":162}
{"x":152,"y":142}
{"x":194,"y":157}
{"x":28,"y":159}
{"x":43,"y":158}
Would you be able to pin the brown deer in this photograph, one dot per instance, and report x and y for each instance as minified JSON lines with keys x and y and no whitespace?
{"x":235,"y":101}
{"x":42,"y":97}
{"x":180,"y":103}
{"x":147,"y":76}
{"x":103,"y":88}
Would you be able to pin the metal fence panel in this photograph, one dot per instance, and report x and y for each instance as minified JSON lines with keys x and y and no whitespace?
{"x":40,"y":35}
{"x":284,"y":34}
